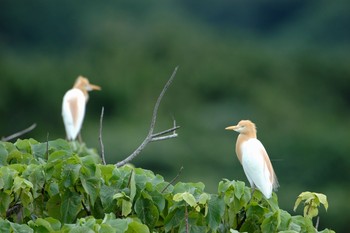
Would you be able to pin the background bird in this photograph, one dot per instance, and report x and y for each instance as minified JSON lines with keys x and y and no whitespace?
{"x":254,"y":158}
{"x":73,"y":106}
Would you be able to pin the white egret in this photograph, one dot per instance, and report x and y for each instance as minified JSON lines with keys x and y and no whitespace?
{"x":254,"y":158}
{"x":73,"y":106}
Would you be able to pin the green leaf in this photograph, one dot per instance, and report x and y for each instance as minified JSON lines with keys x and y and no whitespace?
{"x":91,"y":186}
{"x":20,"y":184}
{"x":70,"y":174}
{"x":3,"y":154}
{"x":106,"y":194}
{"x":123,"y":201}
{"x":41,"y":225}
{"x":322,"y":199}
{"x":7,"y":176}
{"x":216,"y":209}
{"x":195,"y":223}
{"x":203,"y":198}
{"x":6,"y":199}
{"x":53,"y":206}
{"x":55,"y":224}
{"x":285,"y":220}
{"x":58,"y":157}
{"x":146,"y":211}
{"x":35,"y":174}
{"x":126,"y":207}
{"x":132,"y":186}
{"x":60,"y":144}
{"x":70,"y":207}
{"x":302,"y":224}
{"x":192,"y":188}
{"x":52,"y":189}
{"x":311,"y":203}
{"x":106,"y":172}
{"x":20,"y":228}
{"x":120,"y":225}
{"x":158,"y":199}
{"x":289,"y":231}
{"x":39,"y":150}
{"x":5,"y":225}
{"x":271,"y":222}
{"x":81,"y":229}
{"x":187,"y":197}
{"x":326,"y":231}
{"x":136,"y":227}
{"x":174,"y":218}
{"x":25,"y":145}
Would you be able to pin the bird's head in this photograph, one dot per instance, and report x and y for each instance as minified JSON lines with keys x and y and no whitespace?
{"x":243,"y":127}
{"x":83,"y":84}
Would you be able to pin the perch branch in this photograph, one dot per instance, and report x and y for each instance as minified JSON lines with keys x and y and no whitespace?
{"x":18,"y":134}
{"x":100,"y":138}
{"x":150,"y":136}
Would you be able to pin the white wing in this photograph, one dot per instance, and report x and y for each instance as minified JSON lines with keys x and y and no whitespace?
{"x":73,"y":111}
{"x":255,"y":166}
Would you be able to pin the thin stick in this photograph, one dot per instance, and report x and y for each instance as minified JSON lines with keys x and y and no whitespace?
{"x":173,"y":180}
{"x":165,"y":132}
{"x":18,"y":134}
{"x":317,"y":222}
{"x":150,"y":136}
{"x":186,"y":219}
{"x":47,"y":146}
{"x":100,"y":139}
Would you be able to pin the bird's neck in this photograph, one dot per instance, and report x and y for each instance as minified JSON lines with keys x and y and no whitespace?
{"x":84,"y":92}
{"x":241,"y":139}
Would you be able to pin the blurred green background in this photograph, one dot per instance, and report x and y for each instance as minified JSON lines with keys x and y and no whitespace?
{"x":282,"y":64}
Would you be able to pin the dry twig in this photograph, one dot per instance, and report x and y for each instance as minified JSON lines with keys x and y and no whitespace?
{"x":173,"y":180}
{"x":157,"y":136}
{"x":100,"y":139}
{"x":18,"y":134}
{"x":186,"y":219}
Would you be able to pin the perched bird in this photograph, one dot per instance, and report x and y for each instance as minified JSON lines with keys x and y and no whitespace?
{"x":254,"y":159}
{"x":73,"y":106}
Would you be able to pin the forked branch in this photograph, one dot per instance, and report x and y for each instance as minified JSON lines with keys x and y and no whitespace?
{"x":157,"y":136}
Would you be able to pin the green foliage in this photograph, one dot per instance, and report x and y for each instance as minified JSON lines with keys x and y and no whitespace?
{"x":62,"y":187}
{"x":311,"y":203}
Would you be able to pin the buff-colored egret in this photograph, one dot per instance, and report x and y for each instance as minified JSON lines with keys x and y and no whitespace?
{"x":254,"y":158}
{"x":73,"y":106}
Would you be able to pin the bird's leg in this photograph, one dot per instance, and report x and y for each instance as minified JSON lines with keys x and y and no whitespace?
{"x":80,"y":139}
{"x":252,"y":193}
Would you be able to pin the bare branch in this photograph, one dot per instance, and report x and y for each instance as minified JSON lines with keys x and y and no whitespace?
{"x":18,"y":134}
{"x":317,"y":222}
{"x":173,"y":180}
{"x":172,"y":130}
{"x":164,"y":137}
{"x":100,"y":138}
{"x":47,"y":146}
{"x":186,"y":219}
{"x":150,"y":134}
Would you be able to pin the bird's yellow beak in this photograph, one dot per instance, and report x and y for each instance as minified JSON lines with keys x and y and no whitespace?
{"x":94,"y":87}
{"x":234,"y":127}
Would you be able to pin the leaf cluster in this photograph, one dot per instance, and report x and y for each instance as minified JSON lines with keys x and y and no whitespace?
{"x":59,"y":186}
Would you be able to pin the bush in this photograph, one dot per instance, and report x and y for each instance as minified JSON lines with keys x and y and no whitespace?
{"x":58,"y":186}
